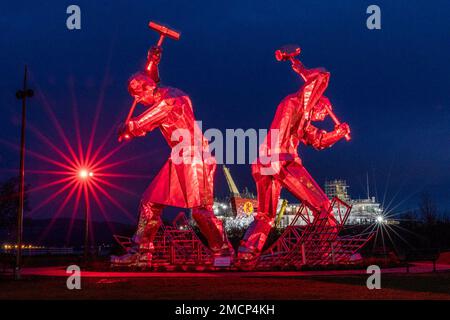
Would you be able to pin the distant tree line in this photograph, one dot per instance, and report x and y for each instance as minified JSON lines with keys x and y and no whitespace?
{"x":427,"y":226}
{"x":9,"y":205}
{"x":423,"y":228}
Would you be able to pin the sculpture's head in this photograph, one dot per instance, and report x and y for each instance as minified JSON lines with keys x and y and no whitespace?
{"x":319,"y":111}
{"x":143,"y":88}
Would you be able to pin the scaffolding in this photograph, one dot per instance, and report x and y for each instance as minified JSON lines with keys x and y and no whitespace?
{"x":337,"y":188}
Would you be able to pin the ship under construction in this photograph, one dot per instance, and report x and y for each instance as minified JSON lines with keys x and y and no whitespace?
{"x":242,"y":205}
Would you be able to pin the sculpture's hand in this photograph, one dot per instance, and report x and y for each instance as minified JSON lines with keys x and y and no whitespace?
{"x":342,"y":129}
{"x":124,"y":132}
{"x":154,"y":54}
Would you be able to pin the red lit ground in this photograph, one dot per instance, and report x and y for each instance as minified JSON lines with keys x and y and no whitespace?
{"x":50,"y":283}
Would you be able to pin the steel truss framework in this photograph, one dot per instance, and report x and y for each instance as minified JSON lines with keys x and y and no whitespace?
{"x":175,"y":245}
{"x":316,"y":243}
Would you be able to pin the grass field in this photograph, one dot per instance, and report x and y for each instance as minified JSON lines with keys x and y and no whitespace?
{"x":394,"y":286}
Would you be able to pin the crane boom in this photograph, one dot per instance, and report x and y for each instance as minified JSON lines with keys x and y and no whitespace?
{"x":233,"y":189}
{"x":281,"y":212}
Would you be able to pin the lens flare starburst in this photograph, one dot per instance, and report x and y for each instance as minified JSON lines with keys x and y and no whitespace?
{"x":76,"y":174}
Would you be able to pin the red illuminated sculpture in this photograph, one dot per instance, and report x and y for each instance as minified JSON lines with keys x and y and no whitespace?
{"x":187,"y":183}
{"x":292,"y":125}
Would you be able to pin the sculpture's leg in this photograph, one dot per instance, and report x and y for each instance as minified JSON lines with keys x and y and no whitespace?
{"x":212,"y":228}
{"x":268,"y":189}
{"x":149,"y":223}
{"x":299,"y":182}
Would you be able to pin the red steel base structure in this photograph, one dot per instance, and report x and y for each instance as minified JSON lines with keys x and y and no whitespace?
{"x":314,"y":243}
{"x":176,"y":245}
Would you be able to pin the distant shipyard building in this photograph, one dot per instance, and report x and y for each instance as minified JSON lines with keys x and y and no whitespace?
{"x":364,"y":211}
{"x":238,"y":210}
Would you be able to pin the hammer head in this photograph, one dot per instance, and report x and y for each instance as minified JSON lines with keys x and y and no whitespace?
{"x":287,"y":52}
{"x":164,"y":31}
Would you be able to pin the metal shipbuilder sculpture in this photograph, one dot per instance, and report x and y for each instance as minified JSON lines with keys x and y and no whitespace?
{"x":185,"y":182}
{"x":292,"y":125}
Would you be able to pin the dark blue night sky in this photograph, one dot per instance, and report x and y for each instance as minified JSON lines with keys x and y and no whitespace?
{"x":392,"y":86}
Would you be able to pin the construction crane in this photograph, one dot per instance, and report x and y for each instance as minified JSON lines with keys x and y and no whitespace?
{"x":242,"y":205}
{"x":281,"y":212}
{"x":233,"y":188}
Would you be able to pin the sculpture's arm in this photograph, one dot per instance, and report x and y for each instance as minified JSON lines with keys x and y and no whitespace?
{"x":321,"y":139}
{"x":306,"y":73}
{"x":148,"y":120}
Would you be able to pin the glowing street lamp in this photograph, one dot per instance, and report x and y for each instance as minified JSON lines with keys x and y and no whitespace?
{"x":380,"y":219}
{"x":84,"y":175}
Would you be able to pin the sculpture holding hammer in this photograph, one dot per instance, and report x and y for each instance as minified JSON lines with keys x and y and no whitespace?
{"x":153,"y":59}
{"x":183,"y":184}
{"x":291,"y":125}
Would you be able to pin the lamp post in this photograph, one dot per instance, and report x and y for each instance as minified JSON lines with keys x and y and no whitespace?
{"x":85,"y":175}
{"x":21,"y":95}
